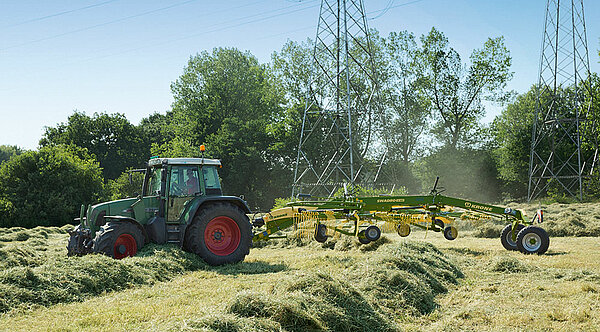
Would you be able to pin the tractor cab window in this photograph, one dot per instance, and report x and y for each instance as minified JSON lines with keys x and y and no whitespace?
{"x":211,"y":180}
{"x":184,"y":181}
{"x":154,"y":182}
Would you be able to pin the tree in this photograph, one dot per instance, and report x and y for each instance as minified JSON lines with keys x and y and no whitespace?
{"x":9,"y":151}
{"x":228,"y":100}
{"x":47,"y":187}
{"x":466,"y":172}
{"x":511,"y":131}
{"x":111,"y":138}
{"x":128,"y":184}
{"x":407,"y":108}
{"x":456,"y":91}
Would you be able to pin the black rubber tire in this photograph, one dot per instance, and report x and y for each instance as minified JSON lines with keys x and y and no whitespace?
{"x":362,"y":238}
{"x":105,"y":238}
{"x":533,"y":233}
{"x":448,"y":233}
{"x":74,"y":242}
{"x":440,"y":225}
{"x":372,"y":233}
{"x":506,"y":237}
{"x":400,"y":232}
{"x":194,"y":235}
{"x":321,"y":233}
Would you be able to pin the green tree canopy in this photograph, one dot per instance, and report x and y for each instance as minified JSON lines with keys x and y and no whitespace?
{"x":230,"y":102}
{"x":457,"y":91}
{"x":111,"y":138}
{"x":47,"y":187}
{"x":9,"y":151}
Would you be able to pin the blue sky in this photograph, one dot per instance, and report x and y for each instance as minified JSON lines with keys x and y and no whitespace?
{"x":122,"y":55}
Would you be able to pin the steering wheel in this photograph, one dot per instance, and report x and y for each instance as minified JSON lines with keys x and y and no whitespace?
{"x":176,"y":189}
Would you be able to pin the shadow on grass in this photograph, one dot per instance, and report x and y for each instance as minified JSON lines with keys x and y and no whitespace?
{"x":258,"y":267}
{"x":465,"y":251}
{"x":555,"y":253}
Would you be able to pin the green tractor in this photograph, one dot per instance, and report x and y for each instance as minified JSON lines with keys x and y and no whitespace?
{"x":181,"y":203}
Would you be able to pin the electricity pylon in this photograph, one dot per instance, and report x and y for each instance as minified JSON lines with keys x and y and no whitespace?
{"x":564,"y":147}
{"x":339,"y":111}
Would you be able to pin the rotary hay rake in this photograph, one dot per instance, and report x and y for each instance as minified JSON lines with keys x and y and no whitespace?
{"x":366,"y":218}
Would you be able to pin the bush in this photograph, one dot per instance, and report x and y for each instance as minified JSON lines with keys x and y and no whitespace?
{"x":47,"y":187}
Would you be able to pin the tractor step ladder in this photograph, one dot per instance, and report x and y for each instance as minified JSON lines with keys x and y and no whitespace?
{"x":173,"y":234}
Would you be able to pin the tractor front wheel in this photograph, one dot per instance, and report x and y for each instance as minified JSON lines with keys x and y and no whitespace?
{"x":118,"y":240}
{"x":220,"y":234}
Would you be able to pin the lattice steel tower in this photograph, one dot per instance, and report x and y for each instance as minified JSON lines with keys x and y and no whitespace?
{"x":564,"y":148}
{"x":339,"y":110}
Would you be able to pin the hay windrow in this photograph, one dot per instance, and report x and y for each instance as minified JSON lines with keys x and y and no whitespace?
{"x":35,"y":270}
{"x":399,"y":280}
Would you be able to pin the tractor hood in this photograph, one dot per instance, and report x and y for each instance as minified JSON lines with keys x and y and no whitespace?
{"x":96,"y":213}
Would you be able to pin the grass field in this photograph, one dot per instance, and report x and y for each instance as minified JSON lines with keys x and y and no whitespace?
{"x":402,"y":284}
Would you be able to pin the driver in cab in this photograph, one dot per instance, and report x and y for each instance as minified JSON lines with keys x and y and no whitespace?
{"x":192,"y":184}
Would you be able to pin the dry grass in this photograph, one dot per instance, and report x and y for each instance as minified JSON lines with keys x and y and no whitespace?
{"x":401,"y":285}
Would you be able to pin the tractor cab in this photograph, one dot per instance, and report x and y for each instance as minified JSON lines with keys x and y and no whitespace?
{"x":173,"y":182}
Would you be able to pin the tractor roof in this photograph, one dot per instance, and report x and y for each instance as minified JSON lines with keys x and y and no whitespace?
{"x":184,"y":161}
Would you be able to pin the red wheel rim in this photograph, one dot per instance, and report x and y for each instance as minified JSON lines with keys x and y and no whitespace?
{"x":125,"y":246}
{"x":222,"y":236}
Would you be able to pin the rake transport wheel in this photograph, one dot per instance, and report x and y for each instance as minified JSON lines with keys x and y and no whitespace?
{"x":219,"y":234}
{"x":118,"y":240}
{"x":362,"y":237}
{"x":321,"y":233}
{"x":533,"y":240}
{"x":450,"y":233}
{"x":403,"y":230}
{"x":506,"y":236}
{"x":440,"y":225}
{"x":372,"y":233}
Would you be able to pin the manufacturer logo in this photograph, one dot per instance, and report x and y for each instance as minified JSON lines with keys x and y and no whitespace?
{"x":391,"y":200}
{"x":477,"y":207}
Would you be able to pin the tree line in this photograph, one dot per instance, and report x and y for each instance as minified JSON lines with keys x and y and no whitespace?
{"x":249,"y":115}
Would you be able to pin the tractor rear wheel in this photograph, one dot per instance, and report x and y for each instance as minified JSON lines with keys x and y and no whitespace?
{"x":506,"y":236}
{"x":533,"y":240}
{"x":220,"y":234}
{"x":118,"y":240}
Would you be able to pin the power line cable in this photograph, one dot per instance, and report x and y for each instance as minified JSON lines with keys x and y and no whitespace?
{"x":171,"y":41}
{"x":99,"y":25}
{"x":385,"y":10}
{"x":391,"y":7}
{"x":37,"y":19}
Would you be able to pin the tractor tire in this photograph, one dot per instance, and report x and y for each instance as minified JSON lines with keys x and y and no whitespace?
{"x":506,"y":237}
{"x":321,"y":233}
{"x":372,"y":233}
{"x":533,"y":240}
{"x":118,"y":240}
{"x":220,"y":234}
{"x":362,"y":238}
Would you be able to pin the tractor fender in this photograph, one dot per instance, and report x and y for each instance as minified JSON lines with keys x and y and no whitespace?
{"x":129,"y":220}
{"x":202,"y":202}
